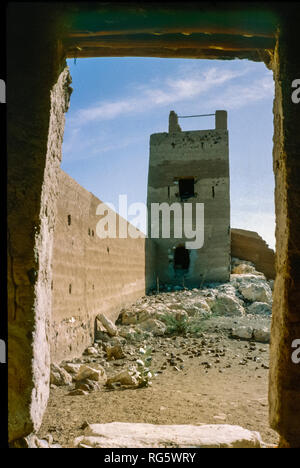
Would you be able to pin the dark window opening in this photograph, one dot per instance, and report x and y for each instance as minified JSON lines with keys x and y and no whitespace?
{"x":186,"y":188}
{"x":181,"y":258}
{"x":69,"y":220}
{"x":70,"y":288}
{"x":213,"y":191}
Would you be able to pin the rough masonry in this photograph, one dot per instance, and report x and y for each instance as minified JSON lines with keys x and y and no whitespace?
{"x":192,"y":167}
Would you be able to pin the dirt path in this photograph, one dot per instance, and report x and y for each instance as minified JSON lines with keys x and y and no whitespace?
{"x":219,"y":380}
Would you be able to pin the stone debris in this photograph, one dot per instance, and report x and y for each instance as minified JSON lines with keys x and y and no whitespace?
{"x":262,"y":335}
{"x":87,"y":372}
{"x":164,"y":333}
{"x":245,"y":268}
{"x":114,"y":352}
{"x":110,"y":327}
{"x":225,"y":304}
{"x":127,"y":378}
{"x":71,"y":367}
{"x":259,"y":291}
{"x":242,"y":332}
{"x":59,"y":376}
{"x":91,"y":350}
{"x":137,"y":435}
{"x":259,"y":308}
{"x":32,"y":441}
{"x":154,"y":326}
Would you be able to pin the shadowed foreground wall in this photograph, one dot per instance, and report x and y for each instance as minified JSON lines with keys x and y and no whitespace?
{"x":248,"y":245}
{"x":90,"y":275}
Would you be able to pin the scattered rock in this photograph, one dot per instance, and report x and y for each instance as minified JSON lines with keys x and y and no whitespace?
{"x":244,"y":268}
{"x":108,"y":325}
{"x":262,"y":335}
{"x":71,"y":367}
{"x":242,"y":332}
{"x":256,"y":291}
{"x":91,"y":351}
{"x":114,"y":352}
{"x":223,"y":304}
{"x":154,"y":326}
{"x":126,"y":377}
{"x":87,"y":372}
{"x":59,"y":376}
{"x":260,"y":308}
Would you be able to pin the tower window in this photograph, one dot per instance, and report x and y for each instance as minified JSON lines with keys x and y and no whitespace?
{"x":186,"y":188}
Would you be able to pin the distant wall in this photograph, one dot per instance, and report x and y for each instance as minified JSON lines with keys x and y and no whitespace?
{"x":90,"y":275}
{"x":248,"y":245}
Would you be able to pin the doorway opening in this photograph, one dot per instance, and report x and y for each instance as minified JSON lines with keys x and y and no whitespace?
{"x":181,"y":258}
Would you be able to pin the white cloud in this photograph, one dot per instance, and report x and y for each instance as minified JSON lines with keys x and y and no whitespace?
{"x":91,"y":148}
{"x":237,"y":96}
{"x":147,"y":97}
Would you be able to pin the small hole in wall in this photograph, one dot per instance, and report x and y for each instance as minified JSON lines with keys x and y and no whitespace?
{"x":89,"y":232}
{"x":107,"y":248}
{"x":51,"y":284}
{"x":186,"y":188}
{"x":92,"y":233}
{"x":69,"y":220}
{"x":213,"y":192}
{"x":70,"y":288}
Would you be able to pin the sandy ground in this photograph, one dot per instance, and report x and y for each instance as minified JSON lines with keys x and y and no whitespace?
{"x":219,"y":380}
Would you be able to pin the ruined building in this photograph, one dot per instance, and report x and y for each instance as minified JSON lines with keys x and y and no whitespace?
{"x":191,"y":167}
{"x":42,"y":36}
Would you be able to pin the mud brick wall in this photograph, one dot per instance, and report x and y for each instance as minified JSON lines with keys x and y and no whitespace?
{"x":90,"y":274}
{"x":248,"y":245}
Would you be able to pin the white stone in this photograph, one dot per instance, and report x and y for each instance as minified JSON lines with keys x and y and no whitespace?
{"x":71,"y":367}
{"x":87,"y":372}
{"x":108,"y":325}
{"x":59,"y":376}
{"x":224,"y":304}
{"x":91,"y":350}
{"x":137,"y":435}
{"x":258,"y":291}
{"x":262,"y":335}
{"x":260,"y":308}
{"x":154,"y":326}
{"x":242,"y":332}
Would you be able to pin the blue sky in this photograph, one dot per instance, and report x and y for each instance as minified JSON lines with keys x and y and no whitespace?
{"x":117,"y":103}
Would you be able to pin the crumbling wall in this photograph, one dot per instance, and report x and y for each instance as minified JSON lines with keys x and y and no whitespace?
{"x":284,"y":376}
{"x":37,"y":97}
{"x":248,"y":245}
{"x":90,"y":275}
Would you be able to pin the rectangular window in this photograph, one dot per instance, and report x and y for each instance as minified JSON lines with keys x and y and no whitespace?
{"x":186,"y":188}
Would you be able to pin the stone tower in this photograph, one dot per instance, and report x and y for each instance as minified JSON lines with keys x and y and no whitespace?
{"x":191,"y":167}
